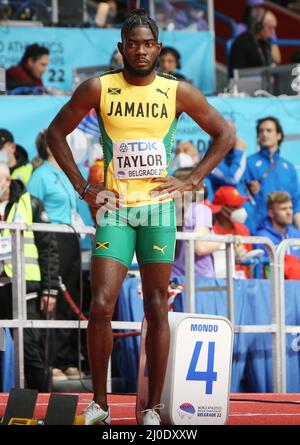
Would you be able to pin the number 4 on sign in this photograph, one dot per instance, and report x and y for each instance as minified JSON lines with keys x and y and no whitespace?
{"x":209,"y":376}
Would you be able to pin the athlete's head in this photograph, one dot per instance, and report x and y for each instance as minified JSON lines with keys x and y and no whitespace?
{"x":139,"y":47}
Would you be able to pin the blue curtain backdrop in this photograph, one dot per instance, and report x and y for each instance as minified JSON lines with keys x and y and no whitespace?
{"x":82,"y":47}
{"x":252,"y":353}
{"x":25,"y":116}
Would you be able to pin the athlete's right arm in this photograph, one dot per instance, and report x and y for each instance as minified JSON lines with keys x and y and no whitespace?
{"x":86,"y":97}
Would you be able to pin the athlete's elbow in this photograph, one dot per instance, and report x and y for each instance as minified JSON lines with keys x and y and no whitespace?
{"x":228,"y":139}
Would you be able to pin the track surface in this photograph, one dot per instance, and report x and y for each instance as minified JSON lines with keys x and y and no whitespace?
{"x":244,"y":409}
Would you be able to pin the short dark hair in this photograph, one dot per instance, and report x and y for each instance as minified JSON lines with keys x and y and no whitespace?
{"x":174,"y":52}
{"x":41,"y":144}
{"x":34,"y":52}
{"x":276,"y":122}
{"x":139,"y":17}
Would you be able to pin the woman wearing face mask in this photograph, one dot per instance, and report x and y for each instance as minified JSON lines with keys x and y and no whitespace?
{"x":186,"y":155}
{"x":230,"y":221}
{"x":192,"y":215}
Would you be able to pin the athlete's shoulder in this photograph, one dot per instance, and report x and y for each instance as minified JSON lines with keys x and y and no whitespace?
{"x":166,"y":76}
{"x":111,"y":72}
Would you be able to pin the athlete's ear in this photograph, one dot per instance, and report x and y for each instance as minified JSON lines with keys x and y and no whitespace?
{"x":120,"y":47}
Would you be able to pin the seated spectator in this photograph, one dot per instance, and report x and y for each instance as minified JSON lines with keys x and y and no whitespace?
{"x":169,"y":62}
{"x":197,"y":218}
{"x":15,"y":156}
{"x":190,"y":18}
{"x":249,"y":5}
{"x":29,"y":71}
{"x":116,"y":60}
{"x":231,"y":171}
{"x":110,"y":13}
{"x":267,"y":171}
{"x":230,"y":221}
{"x":41,"y":273}
{"x":165,"y":15}
{"x":278,"y":226}
{"x":186,"y":155}
{"x":254,"y":48}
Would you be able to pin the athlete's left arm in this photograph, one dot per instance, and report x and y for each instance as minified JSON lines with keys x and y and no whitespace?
{"x":191,"y":101}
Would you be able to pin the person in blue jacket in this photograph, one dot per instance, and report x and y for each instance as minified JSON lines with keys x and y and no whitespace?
{"x":231,"y":172}
{"x":267,"y":171}
{"x":277,"y":226}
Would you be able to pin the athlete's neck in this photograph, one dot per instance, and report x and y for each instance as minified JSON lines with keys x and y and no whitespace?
{"x":138,"y":80}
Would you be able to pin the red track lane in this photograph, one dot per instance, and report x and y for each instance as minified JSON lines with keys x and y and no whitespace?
{"x":241,"y":412}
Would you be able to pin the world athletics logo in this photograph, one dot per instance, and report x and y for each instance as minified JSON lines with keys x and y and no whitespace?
{"x":186,"y":410}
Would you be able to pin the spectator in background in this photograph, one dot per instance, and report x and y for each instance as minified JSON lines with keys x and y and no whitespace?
{"x":50,"y":184}
{"x":197,"y":217}
{"x":15,"y":156}
{"x":41,"y":272}
{"x":254,"y":48}
{"x":110,"y":14}
{"x":165,"y":15}
{"x":230,"y":221}
{"x":231,"y":171}
{"x":191,"y":17}
{"x":186,"y":155}
{"x":169,"y":62}
{"x":267,"y":171}
{"x":278,"y":226}
{"x":116,"y":60}
{"x":29,"y":71}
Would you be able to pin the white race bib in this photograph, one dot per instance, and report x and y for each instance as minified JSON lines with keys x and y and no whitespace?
{"x":139,"y":159}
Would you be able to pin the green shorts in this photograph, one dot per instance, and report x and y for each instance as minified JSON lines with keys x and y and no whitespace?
{"x":150,"y":231}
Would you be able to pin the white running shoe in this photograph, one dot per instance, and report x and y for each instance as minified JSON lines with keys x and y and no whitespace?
{"x":93,"y":413}
{"x":151,"y":417}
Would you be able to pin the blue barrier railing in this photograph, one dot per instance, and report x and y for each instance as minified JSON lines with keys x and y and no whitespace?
{"x":286,"y":42}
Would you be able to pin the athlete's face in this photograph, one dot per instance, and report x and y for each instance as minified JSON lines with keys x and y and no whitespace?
{"x":140,"y":51}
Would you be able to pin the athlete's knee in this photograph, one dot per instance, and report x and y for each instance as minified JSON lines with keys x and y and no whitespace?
{"x":101,"y":309}
{"x":155,"y":308}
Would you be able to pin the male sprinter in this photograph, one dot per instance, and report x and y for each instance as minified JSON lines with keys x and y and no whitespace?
{"x":138,"y":110}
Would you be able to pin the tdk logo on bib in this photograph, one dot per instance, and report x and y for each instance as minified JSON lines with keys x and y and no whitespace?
{"x":139,"y":159}
{"x":139,"y":146}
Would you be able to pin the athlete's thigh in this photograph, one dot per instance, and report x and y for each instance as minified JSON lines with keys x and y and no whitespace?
{"x":107,"y":276}
{"x":116,"y":242}
{"x":113,"y":250}
{"x":155,"y":242}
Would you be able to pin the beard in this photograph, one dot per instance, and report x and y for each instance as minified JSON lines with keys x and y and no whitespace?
{"x":142,"y":72}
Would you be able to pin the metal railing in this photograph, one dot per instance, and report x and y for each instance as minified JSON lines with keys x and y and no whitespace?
{"x":19,"y":321}
{"x":274,"y":327}
{"x":277,"y":326}
{"x":283,"y":328}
